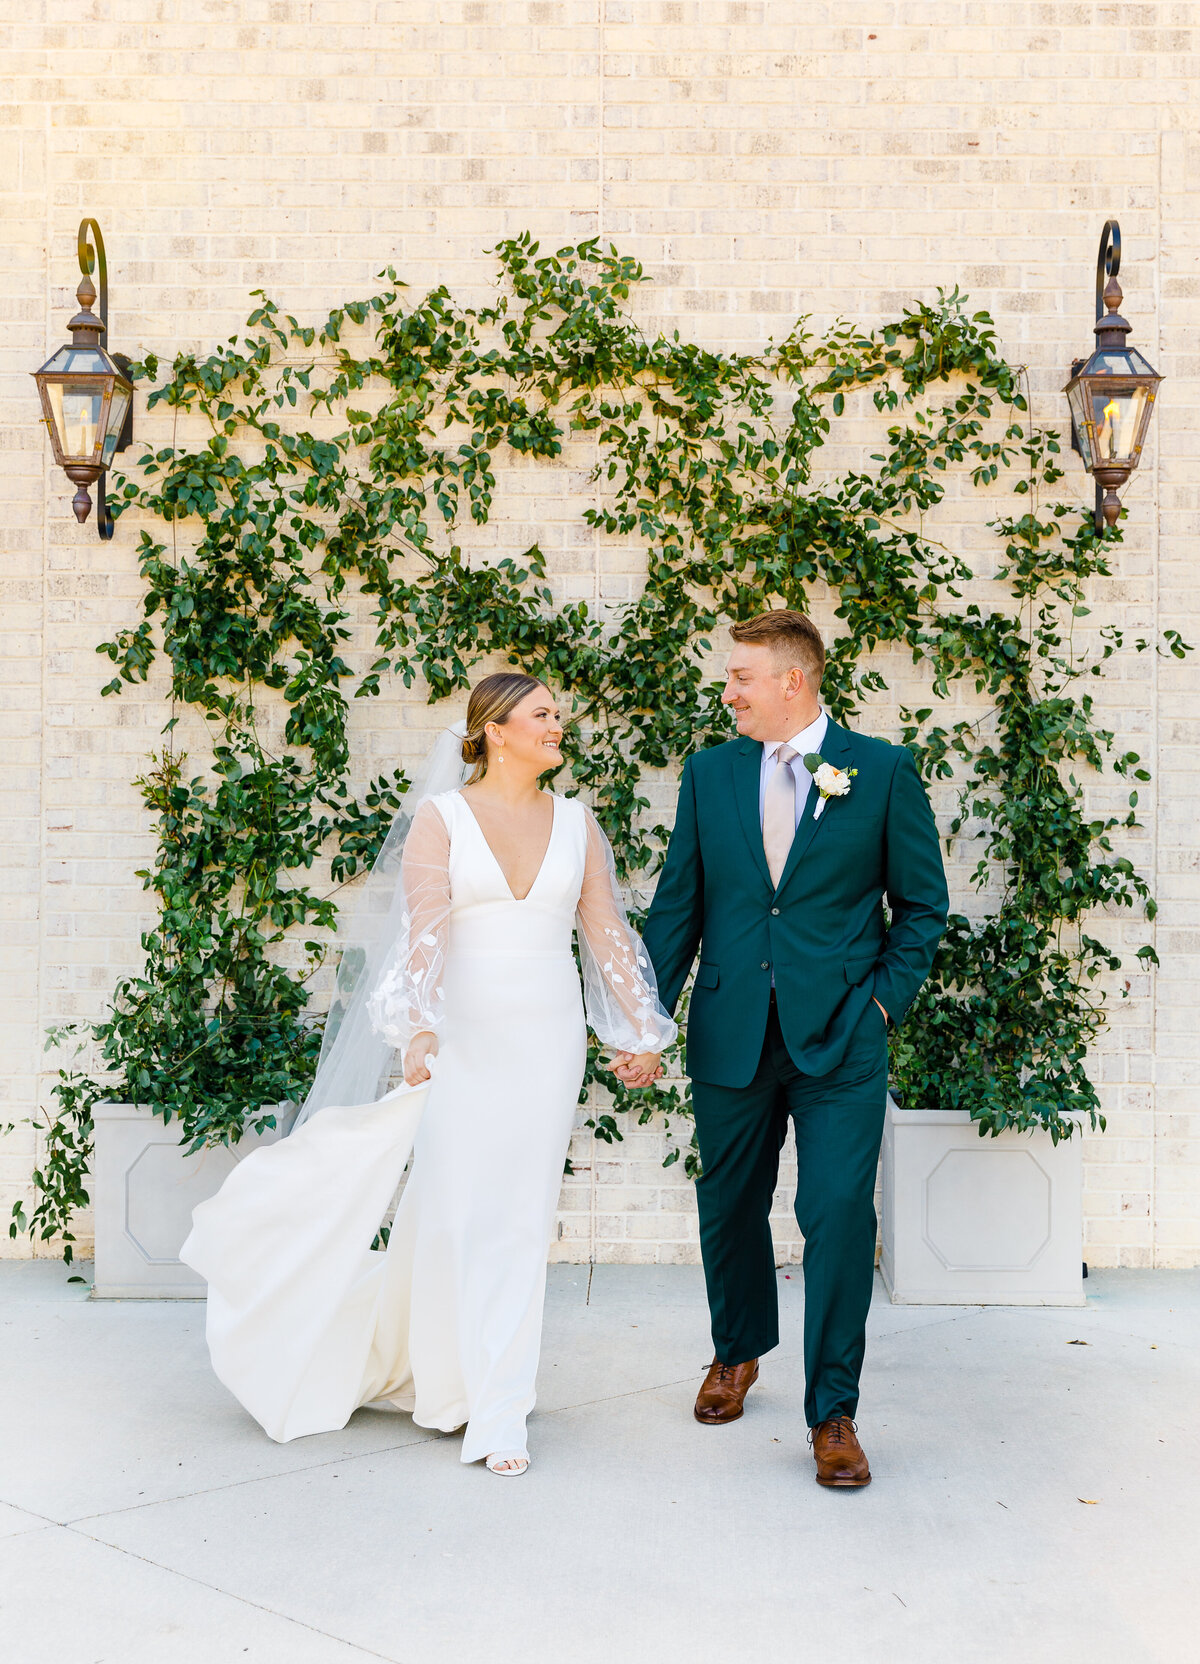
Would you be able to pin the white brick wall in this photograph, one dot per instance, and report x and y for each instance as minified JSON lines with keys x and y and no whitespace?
{"x":763,"y":160}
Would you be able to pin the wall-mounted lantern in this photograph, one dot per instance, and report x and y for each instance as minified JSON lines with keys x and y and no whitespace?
{"x":86,"y":393}
{"x":1112,"y":393}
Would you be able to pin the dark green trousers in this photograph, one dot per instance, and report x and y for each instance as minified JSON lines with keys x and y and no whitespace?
{"x":839,"y":1124}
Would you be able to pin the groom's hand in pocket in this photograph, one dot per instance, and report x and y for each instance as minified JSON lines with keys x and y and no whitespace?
{"x":416,"y":1059}
{"x":637,"y":1069}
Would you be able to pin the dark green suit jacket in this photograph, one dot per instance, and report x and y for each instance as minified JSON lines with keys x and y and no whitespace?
{"x":822,"y":933}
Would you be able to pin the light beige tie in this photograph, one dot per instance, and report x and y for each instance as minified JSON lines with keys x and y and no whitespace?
{"x":779,"y":814}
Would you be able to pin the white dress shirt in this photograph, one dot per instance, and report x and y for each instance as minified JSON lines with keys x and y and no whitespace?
{"x":808,"y":739}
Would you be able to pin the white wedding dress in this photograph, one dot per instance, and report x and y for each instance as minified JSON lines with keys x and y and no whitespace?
{"x":305,"y":1321}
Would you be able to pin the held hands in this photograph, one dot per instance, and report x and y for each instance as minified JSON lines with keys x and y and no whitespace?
{"x":640,"y":1069}
{"x":416,"y":1058}
{"x":637,"y":1068}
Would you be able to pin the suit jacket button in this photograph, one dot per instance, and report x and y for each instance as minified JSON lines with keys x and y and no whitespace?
{"x":774,"y":912}
{"x":766,"y":964}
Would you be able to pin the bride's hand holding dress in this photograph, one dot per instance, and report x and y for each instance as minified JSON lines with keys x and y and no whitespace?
{"x":416,"y":1058}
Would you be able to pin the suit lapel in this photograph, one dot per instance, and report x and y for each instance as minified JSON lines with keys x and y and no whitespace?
{"x":835,"y":749}
{"x":747,"y":773}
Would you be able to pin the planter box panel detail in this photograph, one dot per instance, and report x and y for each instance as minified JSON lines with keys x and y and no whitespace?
{"x":979,"y":1221}
{"x":145,"y":1189}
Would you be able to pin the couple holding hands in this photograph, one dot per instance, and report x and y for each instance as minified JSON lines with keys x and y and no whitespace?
{"x":787,"y":841}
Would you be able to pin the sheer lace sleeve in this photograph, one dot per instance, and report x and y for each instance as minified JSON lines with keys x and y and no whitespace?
{"x":620,"y":995}
{"x":408,"y":997}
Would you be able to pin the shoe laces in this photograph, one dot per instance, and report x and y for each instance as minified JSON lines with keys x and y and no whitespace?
{"x":838,"y":1429}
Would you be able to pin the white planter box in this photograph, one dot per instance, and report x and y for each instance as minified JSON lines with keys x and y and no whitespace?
{"x":144,"y":1189}
{"x":970,"y":1221}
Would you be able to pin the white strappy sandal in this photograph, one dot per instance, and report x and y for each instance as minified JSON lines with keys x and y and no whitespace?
{"x":499,"y":1462}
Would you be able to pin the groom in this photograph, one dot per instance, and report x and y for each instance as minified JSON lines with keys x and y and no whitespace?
{"x":778,"y":880}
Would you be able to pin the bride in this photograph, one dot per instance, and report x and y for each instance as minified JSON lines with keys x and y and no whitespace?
{"x":459,"y":960}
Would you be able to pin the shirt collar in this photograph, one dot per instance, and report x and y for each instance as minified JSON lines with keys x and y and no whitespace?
{"x":808,"y":739}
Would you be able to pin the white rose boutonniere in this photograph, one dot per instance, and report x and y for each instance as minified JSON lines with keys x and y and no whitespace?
{"x":830,"y":781}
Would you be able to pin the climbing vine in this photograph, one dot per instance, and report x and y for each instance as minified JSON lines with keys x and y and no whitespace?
{"x":317,"y":471}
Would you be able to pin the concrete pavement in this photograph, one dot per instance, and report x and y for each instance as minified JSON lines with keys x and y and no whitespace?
{"x":1036,"y":1495}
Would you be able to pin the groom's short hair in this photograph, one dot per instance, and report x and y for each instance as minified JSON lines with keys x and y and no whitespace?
{"x":793,"y":638}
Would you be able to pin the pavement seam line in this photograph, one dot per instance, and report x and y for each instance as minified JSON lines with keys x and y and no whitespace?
{"x":315,"y":1467}
{"x":237,"y":1484}
{"x":242,"y":1600}
{"x":417,"y":1444}
{"x":33,"y":1513}
{"x":28,"y":1531}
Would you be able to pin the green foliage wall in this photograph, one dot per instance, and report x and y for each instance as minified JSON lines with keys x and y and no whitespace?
{"x":350,"y":460}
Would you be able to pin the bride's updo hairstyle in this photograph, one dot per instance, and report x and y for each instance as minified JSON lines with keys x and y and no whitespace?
{"x":492,"y":700}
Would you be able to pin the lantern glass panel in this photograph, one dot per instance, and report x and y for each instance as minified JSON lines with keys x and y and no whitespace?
{"x":116,"y":419}
{"x":1116,"y":422}
{"x":1144,"y":424}
{"x":78,"y":361}
{"x":1138,"y":366}
{"x":1077,"y":399}
{"x":1119,"y":361}
{"x":78,"y":410}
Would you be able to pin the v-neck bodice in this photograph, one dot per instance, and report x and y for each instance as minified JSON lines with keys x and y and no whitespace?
{"x":485,"y":916}
{"x":472,"y":816}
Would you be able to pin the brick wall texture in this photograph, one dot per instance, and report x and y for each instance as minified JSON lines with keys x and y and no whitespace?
{"x":763,"y":160}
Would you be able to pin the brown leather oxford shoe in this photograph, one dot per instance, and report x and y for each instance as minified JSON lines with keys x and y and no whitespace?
{"x":722,"y":1398}
{"x":841,"y":1463}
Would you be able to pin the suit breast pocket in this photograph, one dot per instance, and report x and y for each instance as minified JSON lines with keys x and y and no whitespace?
{"x":852,"y":817}
{"x":844,"y":832}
